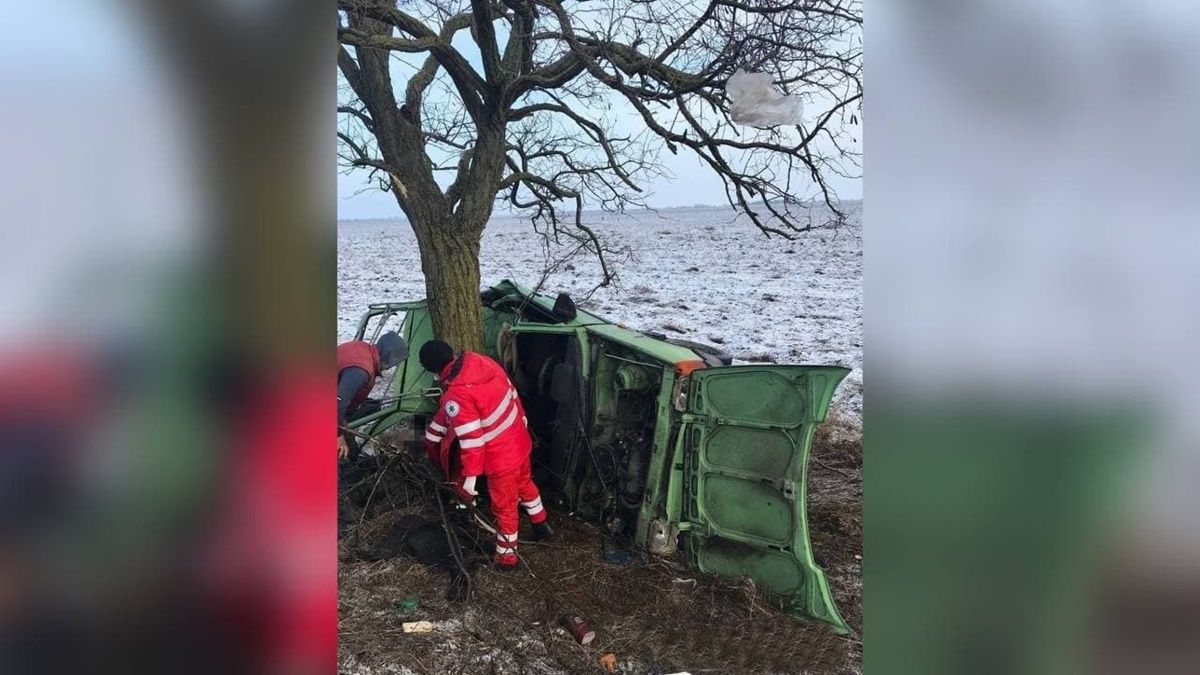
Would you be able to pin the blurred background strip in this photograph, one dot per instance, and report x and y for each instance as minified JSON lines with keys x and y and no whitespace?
{"x":1031,"y":300}
{"x":165,"y":354}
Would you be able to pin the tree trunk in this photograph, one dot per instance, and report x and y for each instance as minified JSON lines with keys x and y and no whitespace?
{"x":450,"y":262}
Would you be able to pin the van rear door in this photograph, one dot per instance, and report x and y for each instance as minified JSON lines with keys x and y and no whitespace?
{"x":747,"y":432}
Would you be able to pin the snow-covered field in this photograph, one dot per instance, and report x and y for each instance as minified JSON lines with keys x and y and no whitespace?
{"x":702,"y":274}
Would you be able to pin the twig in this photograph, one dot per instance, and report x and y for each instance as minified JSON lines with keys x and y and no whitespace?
{"x":371,"y":496}
{"x":452,"y":540}
{"x":843,"y":472}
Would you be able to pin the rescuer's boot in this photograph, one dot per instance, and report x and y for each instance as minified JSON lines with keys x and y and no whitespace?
{"x":505,"y":562}
{"x":542,"y":531}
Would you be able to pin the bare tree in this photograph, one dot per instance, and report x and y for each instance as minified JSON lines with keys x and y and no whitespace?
{"x":454,"y":106}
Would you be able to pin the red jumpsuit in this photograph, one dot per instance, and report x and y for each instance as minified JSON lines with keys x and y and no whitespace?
{"x":481,"y":409}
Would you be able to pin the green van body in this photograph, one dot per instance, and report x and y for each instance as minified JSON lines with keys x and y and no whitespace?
{"x":657,"y":441}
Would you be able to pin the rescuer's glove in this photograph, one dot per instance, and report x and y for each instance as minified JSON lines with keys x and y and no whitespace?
{"x":466,"y":490}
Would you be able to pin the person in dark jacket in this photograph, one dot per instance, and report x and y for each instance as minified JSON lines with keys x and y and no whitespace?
{"x":359,"y":364}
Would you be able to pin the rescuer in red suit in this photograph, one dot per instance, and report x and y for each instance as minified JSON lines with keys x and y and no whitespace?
{"x":359,"y":363}
{"x":480,"y":409}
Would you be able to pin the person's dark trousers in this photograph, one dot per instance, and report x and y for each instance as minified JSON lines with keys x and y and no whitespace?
{"x":367,"y":407}
{"x":352,"y":471}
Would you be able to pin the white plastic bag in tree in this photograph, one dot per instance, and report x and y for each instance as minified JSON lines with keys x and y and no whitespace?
{"x":756,"y":102}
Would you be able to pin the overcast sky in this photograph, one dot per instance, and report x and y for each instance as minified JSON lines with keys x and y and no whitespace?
{"x":692,"y":183}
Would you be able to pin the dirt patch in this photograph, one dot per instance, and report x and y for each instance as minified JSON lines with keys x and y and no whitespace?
{"x":655,"y":615}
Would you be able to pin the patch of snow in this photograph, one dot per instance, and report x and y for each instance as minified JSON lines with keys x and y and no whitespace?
{"x":706,"y":271}
{"x":349,"y":664}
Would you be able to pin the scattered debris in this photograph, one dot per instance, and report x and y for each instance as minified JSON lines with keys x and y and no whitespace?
{"x":770,"y":298}
{"x":579,"y":628}
{"x":609,"y":661}
{"x":692,"y":269}
{"x":419,"y":626}
{"x":407,"y":605}
{"x":673,"y":328}
{"x":716,"y":339}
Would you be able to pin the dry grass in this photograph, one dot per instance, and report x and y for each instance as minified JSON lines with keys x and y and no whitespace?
{"x":656,"y":616}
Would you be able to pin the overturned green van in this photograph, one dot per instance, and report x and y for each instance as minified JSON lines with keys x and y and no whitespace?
{"x":663,"y":442}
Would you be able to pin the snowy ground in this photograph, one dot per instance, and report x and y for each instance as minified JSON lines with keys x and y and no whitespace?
{"x":698,"y":273}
